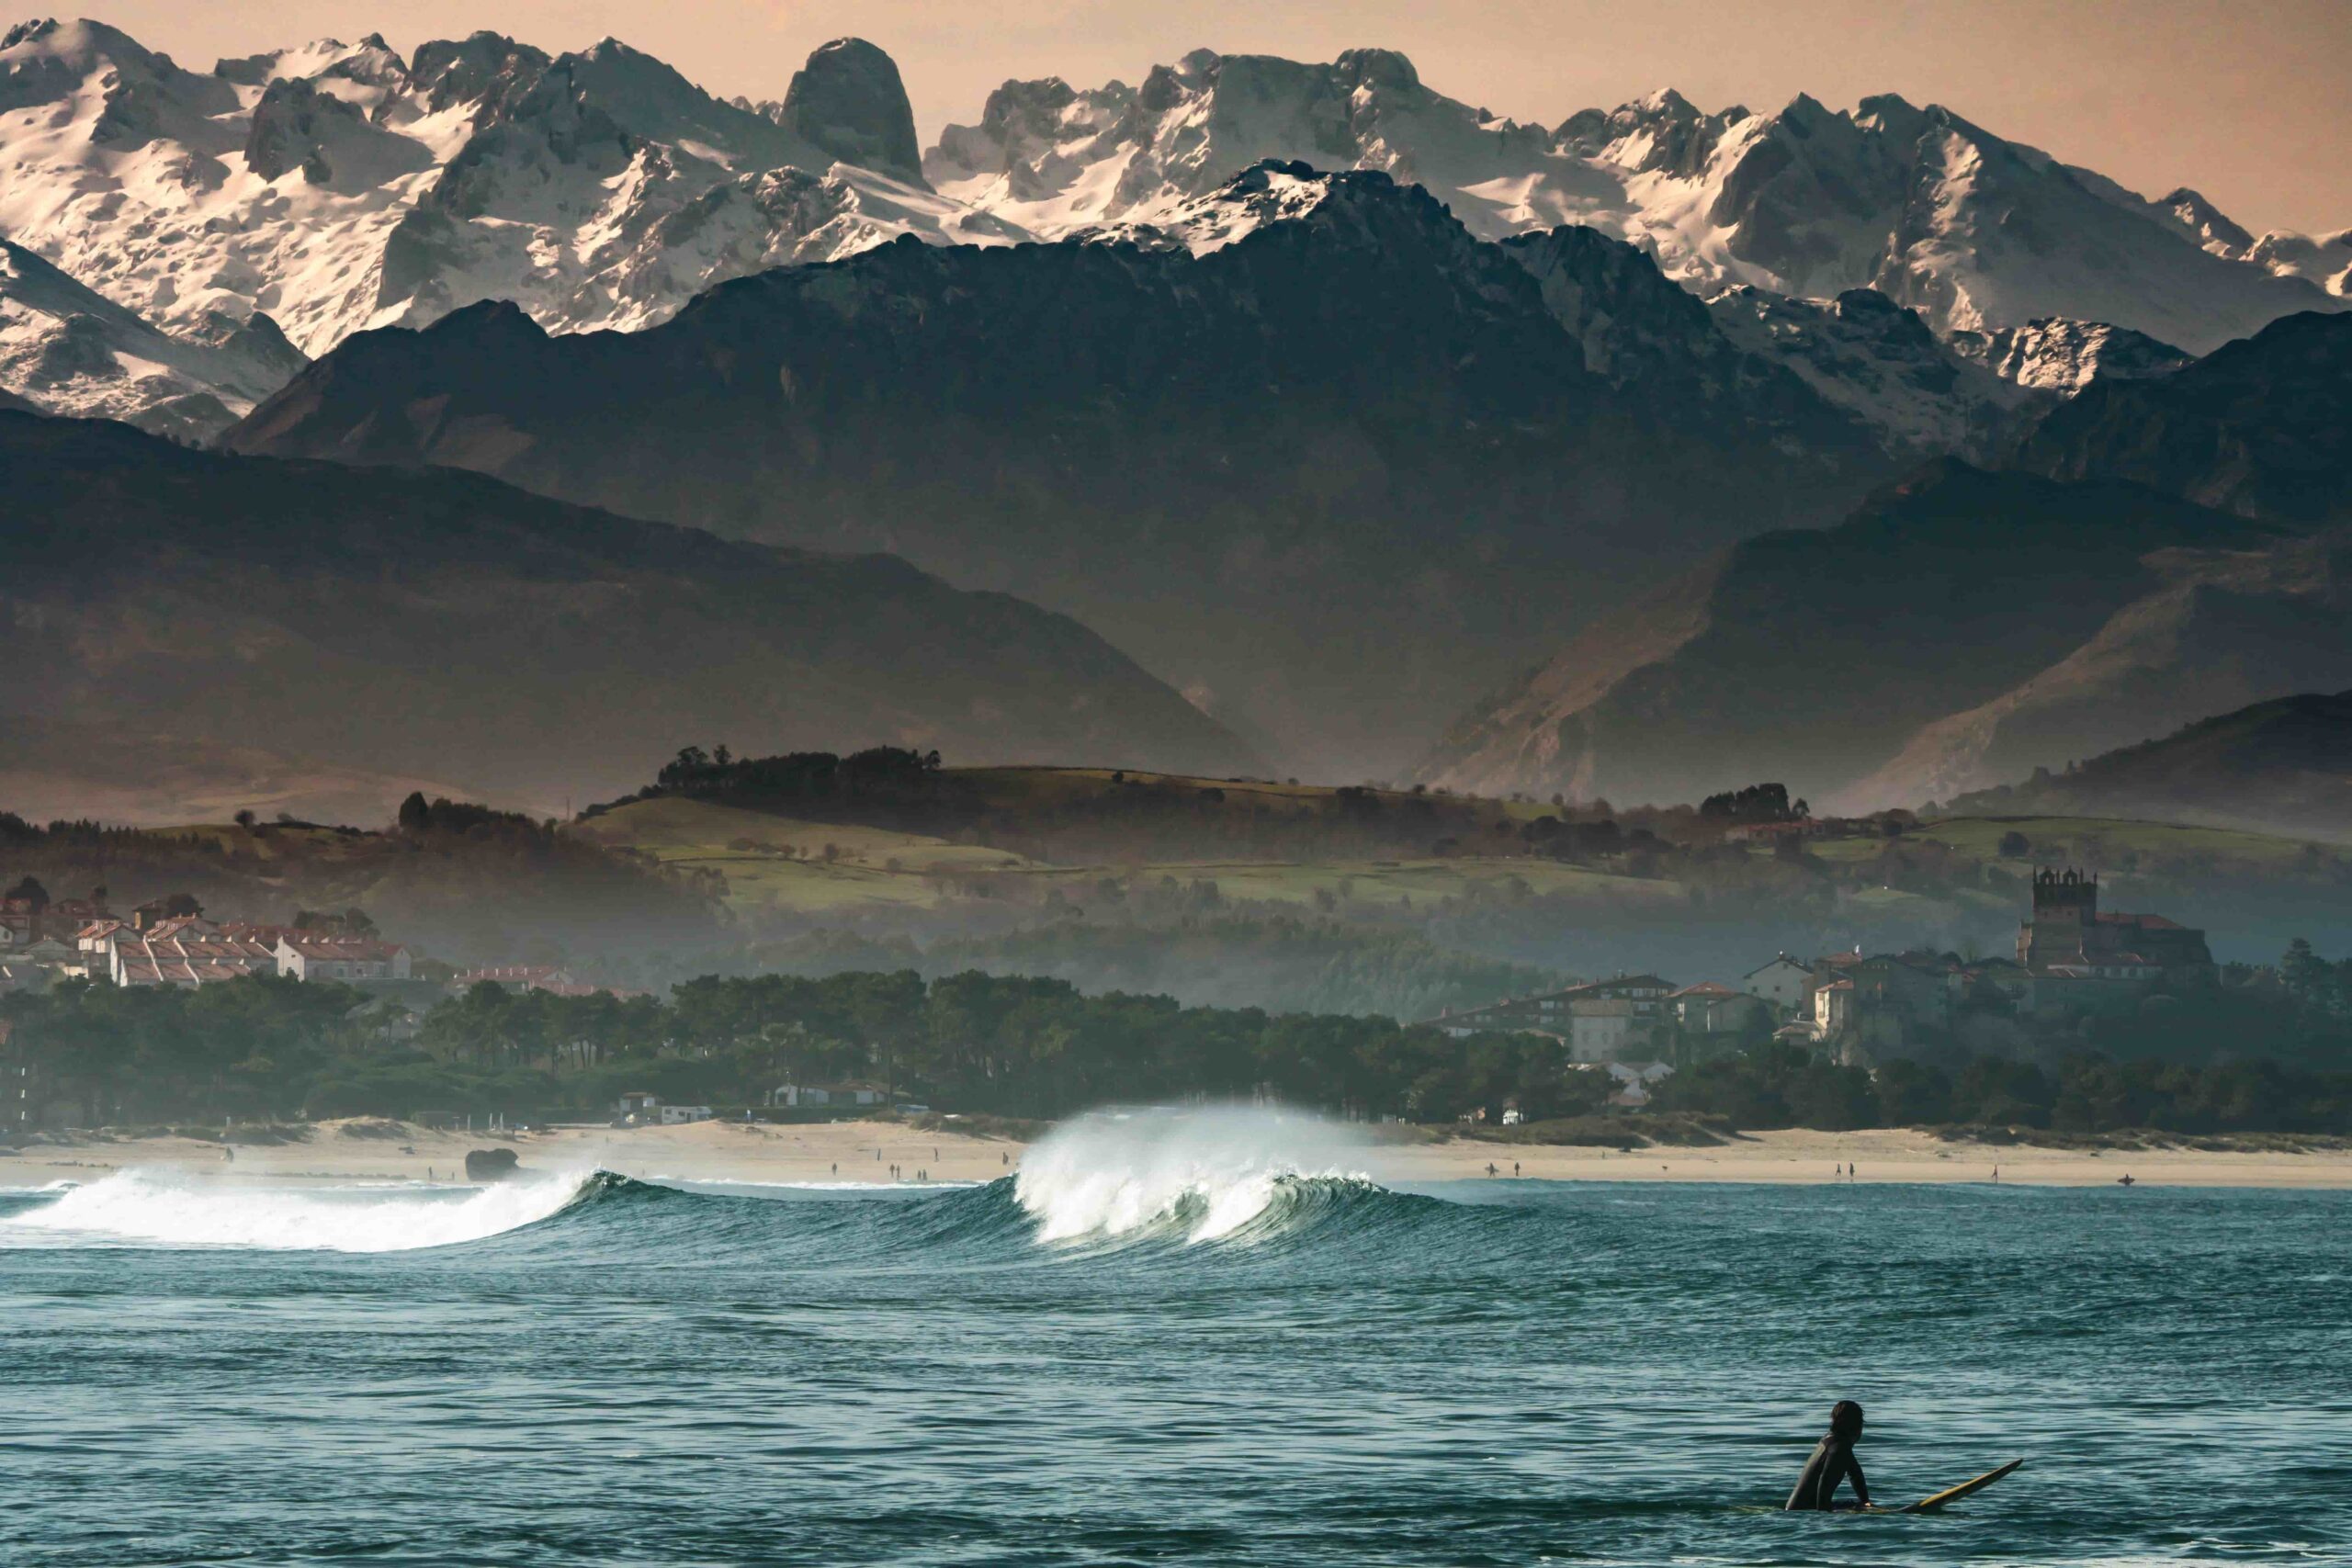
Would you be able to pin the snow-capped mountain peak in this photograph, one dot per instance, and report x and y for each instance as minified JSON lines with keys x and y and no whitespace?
{"x":336,"y":186}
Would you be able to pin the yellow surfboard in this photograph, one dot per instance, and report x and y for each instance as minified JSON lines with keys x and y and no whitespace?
{"x":1954,"y":1494}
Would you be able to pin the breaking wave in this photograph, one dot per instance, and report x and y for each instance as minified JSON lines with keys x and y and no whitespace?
{"x":1139,"y":1183}
{"x":144,"y":1207}
{"x":1201,"y":1175}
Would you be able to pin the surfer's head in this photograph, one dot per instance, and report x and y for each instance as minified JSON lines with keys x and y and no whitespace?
{"x":1845,"y":1419}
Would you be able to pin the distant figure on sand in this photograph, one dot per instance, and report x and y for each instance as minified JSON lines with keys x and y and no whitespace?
{"x":1491,"y":1170}
{"x":2126,"y":1182}
{"x":1833,"y":1460}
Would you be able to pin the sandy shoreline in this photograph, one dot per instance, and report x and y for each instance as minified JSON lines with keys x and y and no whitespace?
{"x":867,"y":1151}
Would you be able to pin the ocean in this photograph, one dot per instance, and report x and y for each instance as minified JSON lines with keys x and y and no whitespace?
{"x":1204,"y":1339}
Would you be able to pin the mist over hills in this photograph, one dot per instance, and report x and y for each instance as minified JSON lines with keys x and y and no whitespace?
{"x":1956,"y":631}
{"x":437,"y":625}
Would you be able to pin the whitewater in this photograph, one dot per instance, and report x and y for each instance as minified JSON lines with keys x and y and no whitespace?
{"x":1201,"y":1336}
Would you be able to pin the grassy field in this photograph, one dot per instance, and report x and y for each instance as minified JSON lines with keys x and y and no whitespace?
{"x":2052,"y":838}
{"x":2101,"y":842}
{"x":783,"y":863}
{"x":1037,"y":786}
{"x":780,"y":864}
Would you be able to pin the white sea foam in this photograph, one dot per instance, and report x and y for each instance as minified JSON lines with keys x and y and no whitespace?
{"x":1209,"y":1171}
{"x":149,"y":1208}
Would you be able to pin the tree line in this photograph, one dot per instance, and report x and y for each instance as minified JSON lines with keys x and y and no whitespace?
{"x":1018,"y":1047}
{"x":1035,"y":1048}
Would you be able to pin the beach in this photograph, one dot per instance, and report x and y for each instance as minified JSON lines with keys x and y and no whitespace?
{"x":885,"y":1153}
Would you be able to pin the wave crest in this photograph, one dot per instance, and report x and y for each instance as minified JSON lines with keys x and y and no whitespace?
{"x":1226,"y":1172}
{"x":142,"y":1208}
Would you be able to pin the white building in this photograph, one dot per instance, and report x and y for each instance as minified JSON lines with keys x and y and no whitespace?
{"x":314,"y":956}
{"x":1784,"y":982}
{"x":1600,"y":1021}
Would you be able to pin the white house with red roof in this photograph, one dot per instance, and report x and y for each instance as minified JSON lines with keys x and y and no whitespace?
{"x":315,"y":955}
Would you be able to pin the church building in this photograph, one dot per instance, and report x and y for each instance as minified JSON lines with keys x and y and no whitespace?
{"x":2070,"y":937}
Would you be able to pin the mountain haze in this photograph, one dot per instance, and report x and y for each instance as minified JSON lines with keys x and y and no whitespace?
{"x":1959,"y":629}
{"x":2283,"y":766}
{"x":431,"y":624}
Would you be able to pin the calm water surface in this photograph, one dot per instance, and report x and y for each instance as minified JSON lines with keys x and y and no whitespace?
{"x":1220,"y":1370}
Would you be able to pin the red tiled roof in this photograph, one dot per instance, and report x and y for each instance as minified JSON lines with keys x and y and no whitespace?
{"x":1709,"y":988}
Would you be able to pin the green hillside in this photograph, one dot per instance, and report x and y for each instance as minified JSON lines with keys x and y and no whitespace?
{"x":783,"y":864}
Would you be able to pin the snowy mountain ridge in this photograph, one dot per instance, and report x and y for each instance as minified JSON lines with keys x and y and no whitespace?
{"x":78,"y":353}
{"x":334,"y":187}
{"x":1978,"y":232}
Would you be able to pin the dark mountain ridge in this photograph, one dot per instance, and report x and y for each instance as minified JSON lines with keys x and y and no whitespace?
{"x":2262,"y":426}
{"x":2283,"y":766}
{"x":439,"y":624}
{"x":1818,"y":656}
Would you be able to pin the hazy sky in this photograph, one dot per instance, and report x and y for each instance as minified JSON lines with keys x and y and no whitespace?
{"x":2249,"y":101}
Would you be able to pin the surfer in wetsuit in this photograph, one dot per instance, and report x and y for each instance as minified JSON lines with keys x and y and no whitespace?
{"x":1833,"y":1460}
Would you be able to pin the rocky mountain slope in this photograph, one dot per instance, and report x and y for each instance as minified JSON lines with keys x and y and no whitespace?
{"x":2262,"y":427}
{"x":1956,"y":631}
{"x":2283,"y":766}
{"x":1332,"y":477}
{"x":336,"y":186}
{"x":426,"y":623}
{"x":79,"y":353}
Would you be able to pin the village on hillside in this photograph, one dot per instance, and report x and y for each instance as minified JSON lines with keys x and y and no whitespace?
{"x":2074,"y":961}
{"x":168,"y":941}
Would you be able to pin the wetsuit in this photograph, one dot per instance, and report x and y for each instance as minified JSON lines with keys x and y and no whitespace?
{"x":1833,"y":1460}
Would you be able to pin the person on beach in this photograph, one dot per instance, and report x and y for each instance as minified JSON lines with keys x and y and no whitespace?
{"x":1833,"y":1460}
